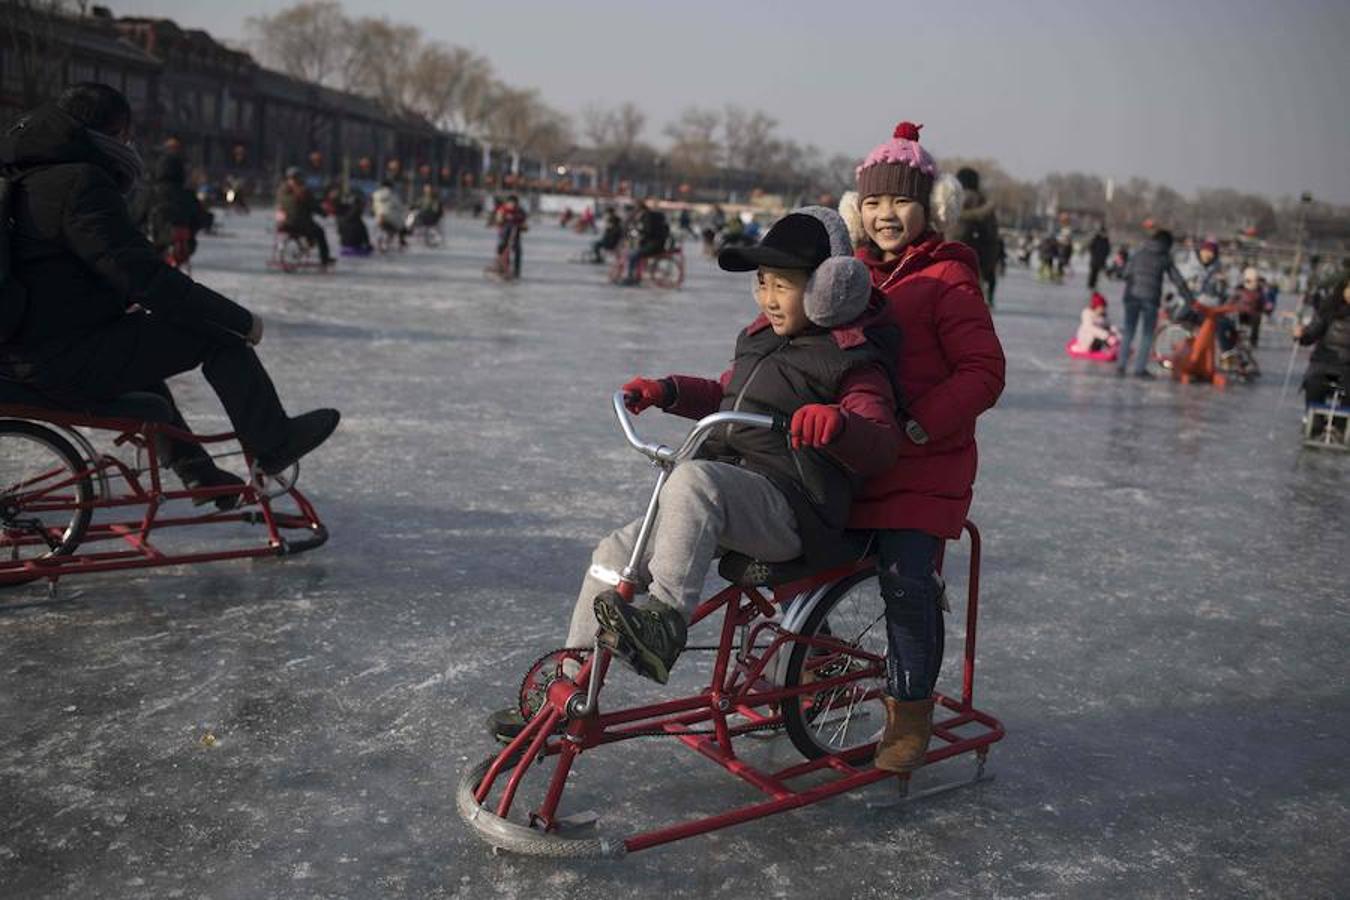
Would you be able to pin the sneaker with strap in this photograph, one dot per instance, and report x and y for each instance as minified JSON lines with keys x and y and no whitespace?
{"x":649,"y":638}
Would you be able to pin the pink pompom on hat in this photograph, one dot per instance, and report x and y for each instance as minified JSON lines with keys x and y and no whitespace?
{"x":900,"y":166}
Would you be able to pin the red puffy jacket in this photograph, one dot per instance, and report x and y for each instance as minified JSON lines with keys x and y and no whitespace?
{"x":951,"y":369}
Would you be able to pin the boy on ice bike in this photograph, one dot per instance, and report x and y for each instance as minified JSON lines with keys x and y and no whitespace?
{"x":818,"y":354}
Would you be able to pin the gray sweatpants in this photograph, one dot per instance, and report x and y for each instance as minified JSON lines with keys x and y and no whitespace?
{"x":705,"y":508}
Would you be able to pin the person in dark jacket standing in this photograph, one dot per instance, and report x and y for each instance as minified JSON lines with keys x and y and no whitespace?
{"x":1329,"y":335}
{"x":977,"y":228}
{"x":1144,"y":275}
{"x":1099,"y":248}
{"x":103,"y":314}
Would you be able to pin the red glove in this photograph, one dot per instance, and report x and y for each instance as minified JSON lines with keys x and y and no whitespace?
{"x":641,"y":393}
{"x":816,"y":425}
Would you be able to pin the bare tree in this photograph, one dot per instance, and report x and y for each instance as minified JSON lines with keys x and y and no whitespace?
{"x":695,"y":150}
{"x":383,"y":55}
{"x":749,"y":140}
{"x":446,"y":85}
{"x":521,"y":121}
{"x":310,"y":41}
{"x":34,"y":35}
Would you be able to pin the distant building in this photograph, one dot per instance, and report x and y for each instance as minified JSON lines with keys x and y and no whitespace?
{"x":229,"y":114}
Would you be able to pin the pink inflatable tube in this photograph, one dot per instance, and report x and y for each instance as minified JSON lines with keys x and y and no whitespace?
{"x":1106,"y":354}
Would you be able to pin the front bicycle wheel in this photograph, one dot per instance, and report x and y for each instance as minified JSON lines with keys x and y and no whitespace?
{"x":1168,"y":342}
{"x":46,"y":494}
{"x":850,"y":623}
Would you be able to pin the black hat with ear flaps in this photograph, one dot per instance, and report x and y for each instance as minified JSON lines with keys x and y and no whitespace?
{"x":813,"y":239}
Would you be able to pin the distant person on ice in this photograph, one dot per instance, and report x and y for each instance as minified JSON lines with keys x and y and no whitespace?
{"x":1329,"y":335}
{"x":1094,"y":326}
{"x":296,"y":209}
{"x":92,"y":311}
{"x":977,"y":228}
{"x":1144,"y":275}
{"x":512,"y":221}
{"x":168,"y":205}
{"x":1099,"y":248}
{"x":390,"y":213}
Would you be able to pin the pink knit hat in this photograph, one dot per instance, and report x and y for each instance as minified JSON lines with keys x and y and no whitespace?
{"x":900,"y":166}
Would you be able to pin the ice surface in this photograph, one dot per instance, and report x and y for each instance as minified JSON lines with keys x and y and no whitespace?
{"x":1164,"y":625}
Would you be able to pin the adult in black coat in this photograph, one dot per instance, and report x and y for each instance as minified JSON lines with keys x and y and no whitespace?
{"x":1329,"y":335}
{"x":103,"y":313}
{"x":1098,"y":251}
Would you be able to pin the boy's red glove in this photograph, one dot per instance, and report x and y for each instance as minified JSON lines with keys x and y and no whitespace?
{"x":816,"y":425}
{"x":641,"y":393}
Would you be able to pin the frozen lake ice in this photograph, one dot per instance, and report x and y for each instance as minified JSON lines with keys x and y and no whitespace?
{"x":1164,"y":627}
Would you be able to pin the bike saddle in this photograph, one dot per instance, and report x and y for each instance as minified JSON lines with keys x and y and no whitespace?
{"x":140,"y":406}
{"x":743,"y":571}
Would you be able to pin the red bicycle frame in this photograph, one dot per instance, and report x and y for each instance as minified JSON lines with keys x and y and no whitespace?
{"x":741,"y":686}
{"x":143,"y":490}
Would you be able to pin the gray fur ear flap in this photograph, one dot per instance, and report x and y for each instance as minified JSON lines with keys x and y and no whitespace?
{"x":837,"y":292}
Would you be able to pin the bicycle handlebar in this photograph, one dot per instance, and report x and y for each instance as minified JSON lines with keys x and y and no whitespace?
{"x":696,"y":436}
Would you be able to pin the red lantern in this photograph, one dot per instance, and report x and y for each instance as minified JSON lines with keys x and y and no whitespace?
{"x":467,"y":179}
{"x":364,"y":164}
{"x":173,"y":145}
{"x":685,"y":188}
{"x":315,"y":159}
{"x":424,"y":170}
{"x":393,"y":167}
{"x":445,"y":173}
{"x":239,"y":153}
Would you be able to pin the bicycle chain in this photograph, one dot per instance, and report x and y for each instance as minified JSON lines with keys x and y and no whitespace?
{"x":651,"y":732}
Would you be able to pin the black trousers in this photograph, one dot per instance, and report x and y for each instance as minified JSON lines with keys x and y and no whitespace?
{"x":141,"y":350}
{"x":312,"y":231}
{"x":1321,"y":378}
{"x":1094,"y":272}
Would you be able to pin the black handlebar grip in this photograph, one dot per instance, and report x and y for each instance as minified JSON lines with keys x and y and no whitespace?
{"x":781,"y":425}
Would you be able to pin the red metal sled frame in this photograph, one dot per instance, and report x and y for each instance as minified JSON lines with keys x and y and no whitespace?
{"x":145,"y":489}
{"x":738,"y":688}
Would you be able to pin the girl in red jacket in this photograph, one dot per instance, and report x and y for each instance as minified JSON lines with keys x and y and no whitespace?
{"x":950,"y":369}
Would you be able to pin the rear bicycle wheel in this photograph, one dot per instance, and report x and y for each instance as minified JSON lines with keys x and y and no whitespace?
{"x":850,"y":715}
{"x":45,"y":496}
{"x":665,"y":271}
{"x":293,"y":253}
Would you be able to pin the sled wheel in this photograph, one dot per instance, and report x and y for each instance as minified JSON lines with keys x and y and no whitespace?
{"x":1167,"y":342}
{"x":666,"y":272}
{"x":45,"y":496}
{"x":852,"y":714}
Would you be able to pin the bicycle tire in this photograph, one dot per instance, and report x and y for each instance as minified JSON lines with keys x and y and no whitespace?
{"x":11,"y":508}
{"x":801,"y":714}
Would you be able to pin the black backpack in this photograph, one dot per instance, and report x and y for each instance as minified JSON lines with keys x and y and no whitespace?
{"x":13,"y":295}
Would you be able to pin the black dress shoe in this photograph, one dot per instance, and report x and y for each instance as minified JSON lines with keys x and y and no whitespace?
{"x":304,"y":433}
{"x":204,"y":473}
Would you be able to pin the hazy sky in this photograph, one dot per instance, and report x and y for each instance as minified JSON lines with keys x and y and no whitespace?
{"x":1196,"y":93}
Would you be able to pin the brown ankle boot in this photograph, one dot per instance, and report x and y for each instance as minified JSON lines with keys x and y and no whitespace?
{"x":909,"y":725}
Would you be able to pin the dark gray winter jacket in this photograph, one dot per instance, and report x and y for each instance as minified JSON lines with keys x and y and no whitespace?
{"x":1145,"y":270}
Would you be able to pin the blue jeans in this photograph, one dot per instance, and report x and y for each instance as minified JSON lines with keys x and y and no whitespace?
{"x":1137,"y":312}
{"x":915,"y":630}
